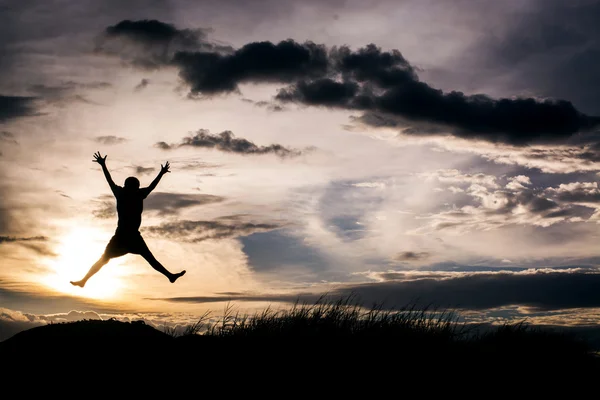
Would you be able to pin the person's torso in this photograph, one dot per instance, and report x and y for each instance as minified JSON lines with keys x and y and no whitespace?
{"x":130,"y":205}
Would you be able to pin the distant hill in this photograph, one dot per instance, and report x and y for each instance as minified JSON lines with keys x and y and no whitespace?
{"x":109,"y":334}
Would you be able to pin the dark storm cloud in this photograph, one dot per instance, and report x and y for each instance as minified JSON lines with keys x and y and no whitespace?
{"x":475,"y":291}
{"x":197,"y":231}
{"x":513,"y":121}
{"x":227,"y":142}
{"x":17,"y":106}
{"x":368,"y":79}
{"x":325,"y":92}
{"x":109,"y":140}
{"x":154,"y":32}
{"x":209,"y":73}
{"x":369,"y":64}
{"x":429,"y":111}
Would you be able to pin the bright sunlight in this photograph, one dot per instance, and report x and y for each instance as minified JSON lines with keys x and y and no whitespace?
{"x":78,"y":250}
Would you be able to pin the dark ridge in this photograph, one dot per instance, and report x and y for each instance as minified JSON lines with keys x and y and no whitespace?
{"x":109,"y":334}
{"x":307,"y":339}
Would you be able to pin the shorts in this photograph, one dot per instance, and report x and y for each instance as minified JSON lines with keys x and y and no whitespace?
{"x":125,"y":242}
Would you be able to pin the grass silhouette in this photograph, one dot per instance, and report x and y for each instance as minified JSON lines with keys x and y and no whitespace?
{"x":338,"y":331}
{"x":327,"y":318}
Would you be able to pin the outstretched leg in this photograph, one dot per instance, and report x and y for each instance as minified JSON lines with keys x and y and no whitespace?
{"x":148,"y":256}
{"x":95,"y":268}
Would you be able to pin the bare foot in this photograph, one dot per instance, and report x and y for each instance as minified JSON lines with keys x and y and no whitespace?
{"x":174,"y":277}
{"x":78,"y":283}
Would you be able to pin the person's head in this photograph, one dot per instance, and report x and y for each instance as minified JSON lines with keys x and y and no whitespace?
{"x":132,"y":183}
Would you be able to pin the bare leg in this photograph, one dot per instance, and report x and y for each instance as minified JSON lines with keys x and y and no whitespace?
{"x":95,"y":268}
{"x":148,"y":256}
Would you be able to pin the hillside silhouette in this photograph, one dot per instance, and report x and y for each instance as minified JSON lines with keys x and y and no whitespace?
{"x":324,"y":335}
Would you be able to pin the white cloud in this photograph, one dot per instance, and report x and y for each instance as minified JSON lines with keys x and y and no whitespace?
{"x":455,"y":176}
{"x":518,"y":182}
{"x":378,"y":185}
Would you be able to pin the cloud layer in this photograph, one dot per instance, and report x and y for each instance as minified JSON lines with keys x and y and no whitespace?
{"x":382,"y":84}
{"x":541,"y":289}
{"x":109,"y":140}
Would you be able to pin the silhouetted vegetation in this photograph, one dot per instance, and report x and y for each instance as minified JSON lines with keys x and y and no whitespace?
{"x":308,"y":335}
{"x":341,"y":318}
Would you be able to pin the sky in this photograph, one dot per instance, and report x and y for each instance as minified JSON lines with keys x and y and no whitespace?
{"x":425,"y":152}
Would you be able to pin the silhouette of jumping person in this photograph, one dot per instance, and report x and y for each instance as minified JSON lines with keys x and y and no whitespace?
{"x":127,"y":238}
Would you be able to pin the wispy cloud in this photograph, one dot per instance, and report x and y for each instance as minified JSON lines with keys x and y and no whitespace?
{"x":8,"y":137}
{"x":455,"y":176}
{"x":197,"y":231}
{"x":65,"y":89}
{"x":8,"y":239}
{"x":109,"y":140}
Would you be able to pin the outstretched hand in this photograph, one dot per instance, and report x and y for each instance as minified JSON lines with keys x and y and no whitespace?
{"x":99,"y":159}
{"x":165,"y":169}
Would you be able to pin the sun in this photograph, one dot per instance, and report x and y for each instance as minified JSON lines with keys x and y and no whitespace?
{"x":78,"y":249}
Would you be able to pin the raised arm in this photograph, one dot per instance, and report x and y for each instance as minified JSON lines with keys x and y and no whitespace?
{"x":163,"y":170}
{"x":102,"y":161}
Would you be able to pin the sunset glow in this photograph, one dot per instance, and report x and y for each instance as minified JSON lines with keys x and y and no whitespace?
{"x":77,"y":251}
{"x":445,"y":151}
